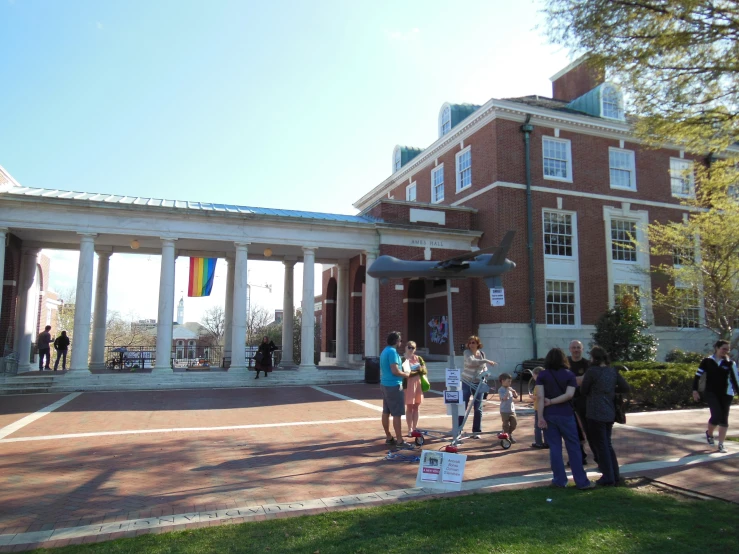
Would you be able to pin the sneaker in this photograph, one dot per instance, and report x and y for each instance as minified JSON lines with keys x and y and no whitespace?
{"x":709,"y":439}
{"x":391,"y":440}
{"x":546,"y":446}
{"x":510,"y":438}
{"x":537,"y":445}
{"x":721,"y":448}
{"x":587,"y":487}
{"x":476,"y":437}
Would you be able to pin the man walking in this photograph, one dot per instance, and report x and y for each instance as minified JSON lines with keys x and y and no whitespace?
{"x":44,"y":350}
{"x":393,"y":397}
{"x":61,"y":345}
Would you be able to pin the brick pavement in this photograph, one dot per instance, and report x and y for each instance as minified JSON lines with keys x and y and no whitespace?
{"x":200,"y":450}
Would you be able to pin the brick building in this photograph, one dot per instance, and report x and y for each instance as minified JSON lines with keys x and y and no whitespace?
{"x":593,"y":187}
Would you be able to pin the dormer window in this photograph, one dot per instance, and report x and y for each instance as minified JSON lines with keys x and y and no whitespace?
{"x":445,"y":120}
{"x":397,"y":160}
{"x":611,"y":102}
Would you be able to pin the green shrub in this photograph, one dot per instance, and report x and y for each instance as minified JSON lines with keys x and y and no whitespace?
{"x":684,"y":357}
{"x":661,"y":388}
{"x":637,"y":366}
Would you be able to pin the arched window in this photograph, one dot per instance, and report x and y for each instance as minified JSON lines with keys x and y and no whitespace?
{"x":611,"y":102}
{"x":397,"y":159}
{"x":445,"y":120}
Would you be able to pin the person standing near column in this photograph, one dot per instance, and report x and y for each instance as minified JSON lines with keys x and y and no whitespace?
{"x":579,"y":366}
{"x":393,"y":397}
{"x":61,"y":345}
{"x":43,"y":342}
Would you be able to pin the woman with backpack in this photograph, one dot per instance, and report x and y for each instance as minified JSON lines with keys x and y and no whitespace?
{"x":599,"y":387}
{"x":718,"y":380}
{"x":263,"y":357}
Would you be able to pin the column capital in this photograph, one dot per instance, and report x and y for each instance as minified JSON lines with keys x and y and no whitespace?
{"x":371,"y":253}
{"x":87,"y":236}
{"x":168,"y":239}
{"x":240,"y":245}
{"x":104,"y":255}
{"x":3,"y":230}
{"x":290,"y":261}
{"x":342,"y":264}
{"x":307,"y":249}
{"x":26,"y":251}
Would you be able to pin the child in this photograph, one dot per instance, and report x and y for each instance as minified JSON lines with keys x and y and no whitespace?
{"x":539,"y":440}
{"x":507,"y":409}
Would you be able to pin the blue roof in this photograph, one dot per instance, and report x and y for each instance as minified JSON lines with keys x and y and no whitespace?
{"x":108,"y":199}
{"x":407,"y":153}
{"x":460,"y":112}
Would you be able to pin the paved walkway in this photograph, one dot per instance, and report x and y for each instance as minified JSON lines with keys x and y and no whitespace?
{"x":86,"y":467}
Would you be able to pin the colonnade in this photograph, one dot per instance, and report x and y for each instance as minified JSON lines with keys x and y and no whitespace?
{"x":235,"y":307}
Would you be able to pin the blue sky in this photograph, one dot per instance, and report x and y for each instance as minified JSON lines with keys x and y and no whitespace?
{"x":289,"y":104}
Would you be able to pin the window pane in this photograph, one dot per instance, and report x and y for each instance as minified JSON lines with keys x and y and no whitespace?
{"x":623,"y":240}
{"x":556,"y":161}
{"x":681,"y":177}
{"x":557,"y":234}
{"x":437,"y":185}
{"x":464,"y":169}
{"x":560,"y":303}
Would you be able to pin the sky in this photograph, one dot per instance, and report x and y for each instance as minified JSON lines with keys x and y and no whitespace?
{"x":283,"y":104}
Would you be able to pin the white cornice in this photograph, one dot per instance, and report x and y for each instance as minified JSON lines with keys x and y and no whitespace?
{"x":579,"y":194}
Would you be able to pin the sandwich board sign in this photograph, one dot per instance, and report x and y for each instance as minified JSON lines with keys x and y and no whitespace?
{"x":441,"y":470}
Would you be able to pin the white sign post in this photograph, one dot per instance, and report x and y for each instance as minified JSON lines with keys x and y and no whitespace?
{"x":497,"y":297}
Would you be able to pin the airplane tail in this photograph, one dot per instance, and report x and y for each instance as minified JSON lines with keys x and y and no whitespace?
{"x":502,"y":250}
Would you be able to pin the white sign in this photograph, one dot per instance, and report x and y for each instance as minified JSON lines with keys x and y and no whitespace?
{"x":453,"y":397}
{"x":441,"y":470}
{"x":453,"y":378}
{"x":497,"y":297}
{"x":452,"y":468}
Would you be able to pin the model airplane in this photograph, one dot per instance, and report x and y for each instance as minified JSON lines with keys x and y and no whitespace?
{"x":489,"y":264}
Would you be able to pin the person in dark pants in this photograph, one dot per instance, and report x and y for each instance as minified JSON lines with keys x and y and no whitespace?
{"x":722,"y":383}
{"x":599,"y":388}
{"x":579,"y":366}
{"x":43,"y":342}
{"x":264,"y":362}
{"x":61,"y":345}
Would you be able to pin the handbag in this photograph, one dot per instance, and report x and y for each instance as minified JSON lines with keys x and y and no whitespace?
{"x":258,"y":357}
{"x":425,"y":385}
{"x":620,"y":409}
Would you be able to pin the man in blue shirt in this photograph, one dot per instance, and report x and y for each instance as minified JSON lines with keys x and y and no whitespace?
{"x":391,"y":382}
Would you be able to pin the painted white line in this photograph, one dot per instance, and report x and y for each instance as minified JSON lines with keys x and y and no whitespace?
{"x":198,"y":429}
{"x":13,"y":427}
{"x":296,"y":507}
{"x":348,"y":398}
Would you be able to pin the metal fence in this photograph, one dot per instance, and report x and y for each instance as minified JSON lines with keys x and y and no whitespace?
{"x":135,"y":357}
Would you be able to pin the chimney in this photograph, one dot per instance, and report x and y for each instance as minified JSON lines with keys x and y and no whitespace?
{"x":576,"y":79}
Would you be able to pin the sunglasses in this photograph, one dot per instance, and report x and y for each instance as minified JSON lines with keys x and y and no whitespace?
{"x":411,"y":347}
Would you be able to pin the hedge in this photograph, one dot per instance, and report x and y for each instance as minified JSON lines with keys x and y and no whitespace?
{"x":659,"y":385}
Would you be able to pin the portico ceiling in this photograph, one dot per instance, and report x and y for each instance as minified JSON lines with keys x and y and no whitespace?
{"x":54,"y":219}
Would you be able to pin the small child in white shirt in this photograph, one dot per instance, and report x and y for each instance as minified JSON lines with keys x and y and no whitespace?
{"x":507,"y":408}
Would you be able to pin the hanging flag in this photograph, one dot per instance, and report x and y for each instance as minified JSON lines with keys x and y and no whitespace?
{"x":201,"y":276}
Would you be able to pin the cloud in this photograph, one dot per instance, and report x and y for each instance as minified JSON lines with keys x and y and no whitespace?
{"x":412,"y":34}
{"x":98,"y":24}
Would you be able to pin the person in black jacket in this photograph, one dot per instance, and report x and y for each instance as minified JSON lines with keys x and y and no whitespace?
{"x":263,"y":359}
{"x":61,"y":345}
{"x":722,"y":383}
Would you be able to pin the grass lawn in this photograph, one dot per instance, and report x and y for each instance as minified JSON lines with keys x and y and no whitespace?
{"x":627,"y":519}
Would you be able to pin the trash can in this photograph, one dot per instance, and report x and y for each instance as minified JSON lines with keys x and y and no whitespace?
{"x":372,"y":369}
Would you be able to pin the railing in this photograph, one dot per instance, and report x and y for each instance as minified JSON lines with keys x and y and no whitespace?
{"x":128,"y":358}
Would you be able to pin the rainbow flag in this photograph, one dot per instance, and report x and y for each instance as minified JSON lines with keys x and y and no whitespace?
{"x":201,"y":276}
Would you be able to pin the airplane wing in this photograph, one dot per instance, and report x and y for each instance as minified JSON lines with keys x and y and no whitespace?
{"x":458,"y":261}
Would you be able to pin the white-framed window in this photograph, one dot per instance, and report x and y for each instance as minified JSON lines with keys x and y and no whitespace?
{"x":397,"y":159}
{"x":689,"y":314}
{"x":557,"y":154}
{"x":445,"y":120}
{"x":683,"y":255}
{"x":557,"y":234}
{"x":464,"y":168}
{"x":560,"y":302}
{"x":620,"y":290}
{"x":623,"y":240}
{"x":437,"y":184}
{"x":622,"y":168}
{"x":611,"y":102}
{"x":682,"y":178}
{"x":410,"y":192}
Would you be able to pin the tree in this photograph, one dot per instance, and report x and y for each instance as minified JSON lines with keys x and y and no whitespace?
{"x":677,"y":59}
{"x":120,"y":331}
{"x":65,"y":314}
{"x":257,"y":319}
{"x":623,"y":333}
{"x":214,"y":321}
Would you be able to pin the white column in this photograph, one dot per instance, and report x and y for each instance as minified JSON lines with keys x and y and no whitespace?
{"x":24,"y":324}
{"x":83,"y":305}
{"x":371,"y":310}
{"x":228,"y":308}
{"x":100,"y":317}
{"x":166,"y":308}
{"x":307,"y":324}
{"x":3,"y":236}
{"x":288,"y":311}
{"x":238,"y":319}
{"x":342,"y":315}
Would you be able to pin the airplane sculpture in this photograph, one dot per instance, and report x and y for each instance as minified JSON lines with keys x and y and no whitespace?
{"x":489,"y":264}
